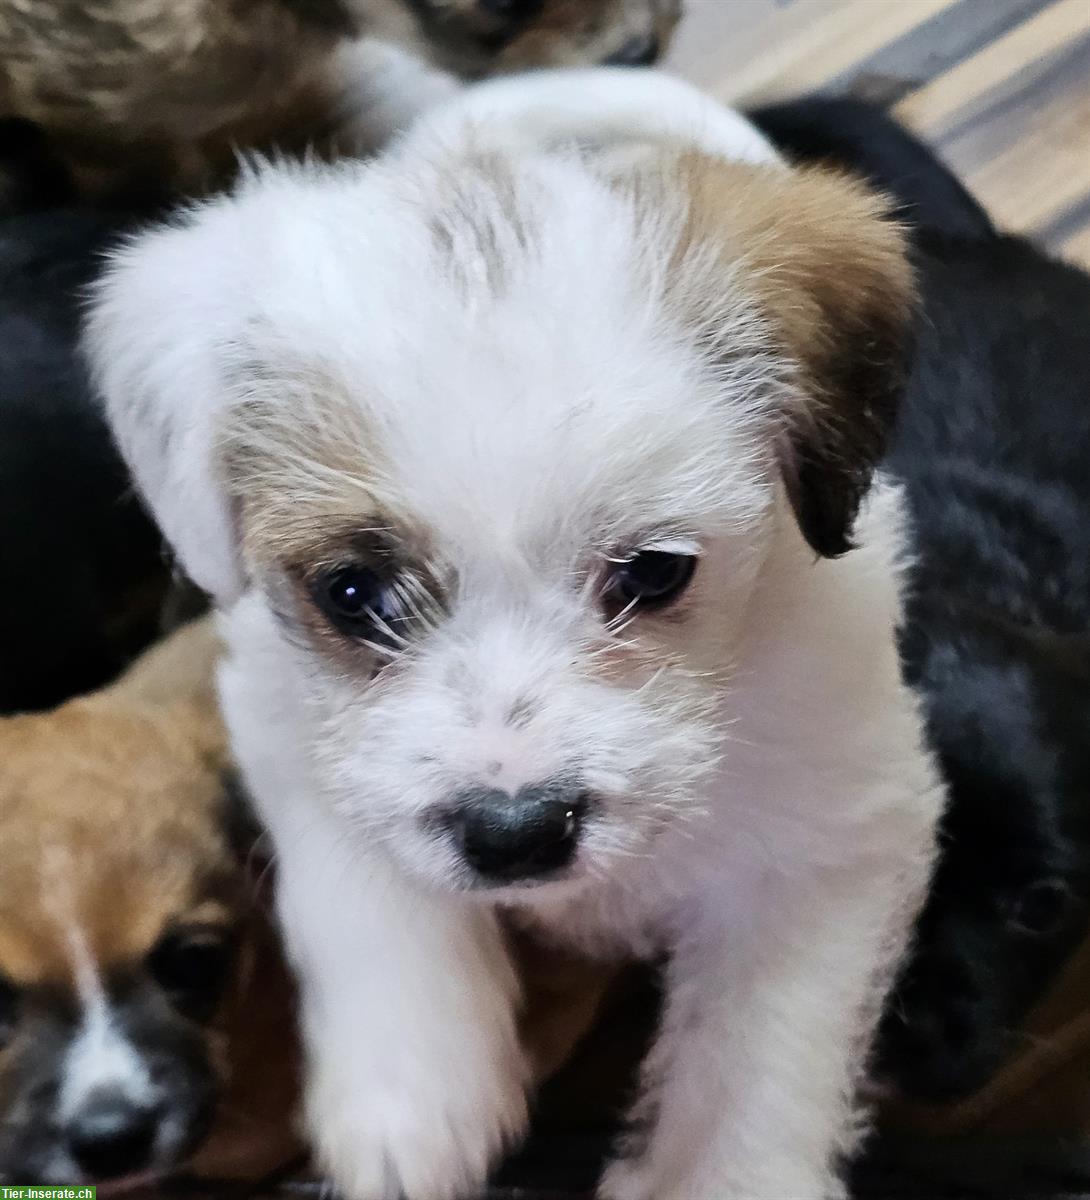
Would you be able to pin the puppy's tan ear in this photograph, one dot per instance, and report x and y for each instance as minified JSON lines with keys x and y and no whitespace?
{"x":181,"y":669}
{"x":828,"y":272}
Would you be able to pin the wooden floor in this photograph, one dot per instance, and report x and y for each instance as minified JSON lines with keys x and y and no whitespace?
{"x":1000,"y":87}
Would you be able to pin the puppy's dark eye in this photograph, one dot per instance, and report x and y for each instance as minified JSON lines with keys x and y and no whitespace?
{"x":192,"y":967}
{"x":650,"y":579}
{"x":1039,"y":909}
{"x":358,"y":601}
{"x":9,"y":1011}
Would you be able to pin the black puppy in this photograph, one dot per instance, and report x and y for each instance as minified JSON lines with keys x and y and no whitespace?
{"x":84,"y":575}
{"x":993,"y":447}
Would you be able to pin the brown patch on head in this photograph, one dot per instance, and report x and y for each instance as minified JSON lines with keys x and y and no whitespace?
{"x":479,"y":228}
{"x":111,"y":828}
{"x":299,"y":465}
{"x":310,"y":494}
{"x":828,"y":273}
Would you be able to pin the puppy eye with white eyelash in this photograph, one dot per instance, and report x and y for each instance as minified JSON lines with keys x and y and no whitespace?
{"x":650,"y":579}
{"x":361,"y":603}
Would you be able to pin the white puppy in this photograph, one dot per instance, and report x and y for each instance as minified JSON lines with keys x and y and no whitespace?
{"x":524,"y":459}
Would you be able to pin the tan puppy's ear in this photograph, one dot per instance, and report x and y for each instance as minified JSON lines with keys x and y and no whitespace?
{"x":172,"y":687}
{"x":828,"y":271}
{"x":181,"y":669}
{"x":174,"y":684}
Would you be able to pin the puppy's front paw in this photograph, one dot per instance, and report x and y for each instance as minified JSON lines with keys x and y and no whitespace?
{"x":627,"y":1179}
{"x":429,"y":1133}
{"x":635,"y":1179}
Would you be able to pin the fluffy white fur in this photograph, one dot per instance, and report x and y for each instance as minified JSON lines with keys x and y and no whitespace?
{"x":502,"y":367}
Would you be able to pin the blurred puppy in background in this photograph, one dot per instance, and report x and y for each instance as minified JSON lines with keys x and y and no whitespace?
{"x":163,"y":94}
{"x":145,"y":1017}
{"x":527,"y":457}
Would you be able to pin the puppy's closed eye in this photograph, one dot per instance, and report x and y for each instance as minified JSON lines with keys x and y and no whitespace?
{"x":9,"y":1010}
{"x":192,"y":966}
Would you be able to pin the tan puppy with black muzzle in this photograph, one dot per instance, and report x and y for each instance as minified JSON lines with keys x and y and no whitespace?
{"x":131,"y":945}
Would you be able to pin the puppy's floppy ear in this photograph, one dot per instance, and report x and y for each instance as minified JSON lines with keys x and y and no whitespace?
{"x":180,"y":669}
{"x":829,"y":274}
{"x":153,"y":340}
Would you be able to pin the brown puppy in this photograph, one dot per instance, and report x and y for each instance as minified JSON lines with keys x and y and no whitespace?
{"x":131,"y":948}
{"x":147,"y":1021}
{"x":165,"y":91}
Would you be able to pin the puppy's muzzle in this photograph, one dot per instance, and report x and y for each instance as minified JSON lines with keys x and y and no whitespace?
{"x":111,"y":1137}
{"x":532,"y":833}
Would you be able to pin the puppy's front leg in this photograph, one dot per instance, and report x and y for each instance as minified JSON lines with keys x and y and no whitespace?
{"x":749,"y":1090}
{"x":415,"y":1077}
{"x":415,"y":1073}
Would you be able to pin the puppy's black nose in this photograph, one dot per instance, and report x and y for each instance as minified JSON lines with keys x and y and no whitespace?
{"x":507,"y":837}
{"x":112,"y":1137}
{"x":639,"y":51}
